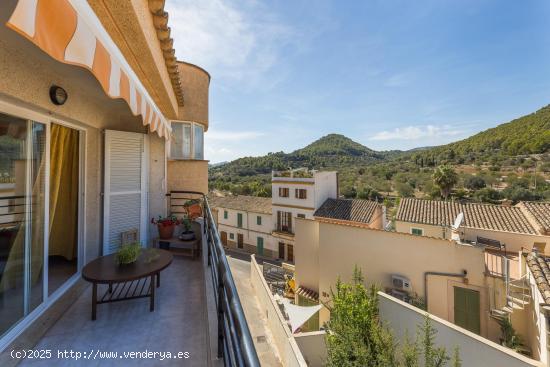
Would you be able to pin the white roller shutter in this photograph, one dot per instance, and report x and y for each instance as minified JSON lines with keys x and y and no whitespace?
{"x":125,"y":187}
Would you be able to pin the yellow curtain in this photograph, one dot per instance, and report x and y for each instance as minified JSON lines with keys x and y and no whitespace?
{"x":63,"y":192}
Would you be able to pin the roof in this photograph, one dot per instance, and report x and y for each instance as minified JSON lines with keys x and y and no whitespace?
{"x":539,"y":213}
{"x":354,"y":210}
{"x":481,"y":216}
{"x":541,"y":272}
{"x":241,"y":202}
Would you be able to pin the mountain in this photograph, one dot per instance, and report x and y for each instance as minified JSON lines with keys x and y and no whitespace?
{"x":529,"y":134}
{"x":363,"y":171}
{"x":330,"y":151}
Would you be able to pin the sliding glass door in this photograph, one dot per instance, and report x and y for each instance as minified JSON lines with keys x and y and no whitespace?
{"x":22,"y":217}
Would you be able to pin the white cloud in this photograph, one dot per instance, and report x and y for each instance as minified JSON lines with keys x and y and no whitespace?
{"x":232,"y":42}
{"x":416,"y":132}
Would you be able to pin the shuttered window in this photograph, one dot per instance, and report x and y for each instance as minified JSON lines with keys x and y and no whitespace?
{"x":284,"y":192}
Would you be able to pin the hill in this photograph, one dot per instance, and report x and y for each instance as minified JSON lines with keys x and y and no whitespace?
{"x":529,"y":134}
{"x":510,"y":149}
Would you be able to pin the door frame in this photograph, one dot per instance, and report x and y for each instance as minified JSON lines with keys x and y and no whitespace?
{"x":26,"y":112}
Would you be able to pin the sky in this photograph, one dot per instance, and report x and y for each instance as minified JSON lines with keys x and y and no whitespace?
{"x":389,"y":74}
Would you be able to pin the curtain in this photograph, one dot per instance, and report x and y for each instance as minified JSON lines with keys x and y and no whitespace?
{"x":64,"y":161}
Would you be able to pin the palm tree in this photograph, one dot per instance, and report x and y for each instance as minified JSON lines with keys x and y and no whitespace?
{"x":445,"y":178}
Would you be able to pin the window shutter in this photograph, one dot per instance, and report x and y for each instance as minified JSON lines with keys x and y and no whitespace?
{"x":125,"y":188}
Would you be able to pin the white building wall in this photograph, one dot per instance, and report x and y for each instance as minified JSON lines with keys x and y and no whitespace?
{"x":326,"y":186}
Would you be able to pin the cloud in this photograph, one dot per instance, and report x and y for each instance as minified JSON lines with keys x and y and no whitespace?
{"x":233,"y":135}
{"x":238,"y":43}
{"x":416,"y":132}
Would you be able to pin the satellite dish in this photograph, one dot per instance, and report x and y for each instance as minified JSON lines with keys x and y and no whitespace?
{"x":458,"y":220}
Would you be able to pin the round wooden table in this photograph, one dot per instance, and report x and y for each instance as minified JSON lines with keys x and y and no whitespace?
{"x":136,"y":280}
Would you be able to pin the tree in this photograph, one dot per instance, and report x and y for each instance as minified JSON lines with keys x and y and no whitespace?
{"x":404,"y":189}
{"x":445,"y":178}
{"x":357,"y":338}
{"x":474,"y":183}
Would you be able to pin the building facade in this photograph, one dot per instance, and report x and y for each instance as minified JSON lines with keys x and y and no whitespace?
{"x":265,"y":226}
{"x":91,"y":98}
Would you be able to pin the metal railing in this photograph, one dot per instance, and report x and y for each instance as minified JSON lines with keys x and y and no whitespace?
{"x":235,"y":344}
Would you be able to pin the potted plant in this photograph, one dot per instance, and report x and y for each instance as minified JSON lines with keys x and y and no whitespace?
{"x":166,"y":226}
{"x":193,"y":208}
{"x":187,"y":233}
{"x":128,"y":254}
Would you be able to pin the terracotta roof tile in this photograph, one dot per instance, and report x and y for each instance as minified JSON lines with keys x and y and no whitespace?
{"x":539,"y":213}
{"x":541,"y":272}
{"x":354,"y":210}
{"x":253,"y":204}
{"x":482,"y":216}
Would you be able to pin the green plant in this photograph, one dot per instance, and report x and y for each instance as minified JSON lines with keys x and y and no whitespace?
{"x":186,"y":222}
{"x":356,"y":336}
{"x":509,"y":337}
{"x":128,"y":254}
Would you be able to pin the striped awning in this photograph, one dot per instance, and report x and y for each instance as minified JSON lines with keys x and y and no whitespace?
{"x":69,"y":31}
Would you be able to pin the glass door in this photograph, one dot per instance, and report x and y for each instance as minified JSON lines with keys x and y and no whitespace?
{"x":22,"y":216}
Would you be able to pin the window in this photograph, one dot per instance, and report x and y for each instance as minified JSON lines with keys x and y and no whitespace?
{"x":260,"y":245}
{"x":232,"y":236}
{"x":187,"y":141}
{"x":284,"y":221}
{"x":281,"y":250}
{"x":180,"y":144}
{"x":259,"y":220}
{"x":225,"y":214}
{"x":290,"y":253}
{"x":301,"y":215}
{"x":239,"y":220}
{"x":417,"y":231}
{"x":284,"y":192}
{"x":198,"y":146}
{"x":240,"y":240}
{"x":300,"y":193}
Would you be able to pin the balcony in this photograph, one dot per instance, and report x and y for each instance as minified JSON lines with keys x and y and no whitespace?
{"x":298,"y":173}
{"x":197,"y":314}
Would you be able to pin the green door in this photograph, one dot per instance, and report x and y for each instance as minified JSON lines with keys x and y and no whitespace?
{"x":239,"y":220}
{"x":260,"y":245}
{"x":467,"y":309}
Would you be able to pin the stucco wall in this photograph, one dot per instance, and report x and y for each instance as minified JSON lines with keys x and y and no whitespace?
{"x":306,"y":251}
{"x":313,"y":347}
{"x":195,"y":82}
{"x":287,"y":347}
{"x":326,"y":186}
{"x":338,"y":248}
{"x":474,"y":350}
{"x":157,"y":181}
{"x":188,"y":175}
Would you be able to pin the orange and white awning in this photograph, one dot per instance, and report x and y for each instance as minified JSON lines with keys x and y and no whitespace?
{"x":69,"y":31}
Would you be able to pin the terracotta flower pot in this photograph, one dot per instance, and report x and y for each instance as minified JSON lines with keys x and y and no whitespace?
{"x":166,"y":232}
{"x":194,"y":211}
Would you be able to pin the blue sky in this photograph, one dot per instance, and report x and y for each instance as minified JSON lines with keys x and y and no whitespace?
{"x":389,"y":74}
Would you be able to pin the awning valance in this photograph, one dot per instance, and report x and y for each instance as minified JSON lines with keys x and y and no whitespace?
{"x":69,"y":31}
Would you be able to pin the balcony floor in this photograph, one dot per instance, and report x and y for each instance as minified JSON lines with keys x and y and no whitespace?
{"x":178,"y":324}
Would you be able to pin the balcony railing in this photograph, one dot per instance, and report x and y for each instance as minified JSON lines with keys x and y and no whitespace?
{"x":235,"y":344}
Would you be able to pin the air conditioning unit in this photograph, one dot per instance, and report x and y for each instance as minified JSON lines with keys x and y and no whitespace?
{"x":400,"y":295}
{"x":401,"y":283}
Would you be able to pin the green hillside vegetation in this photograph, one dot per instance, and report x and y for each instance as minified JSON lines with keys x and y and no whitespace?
{"x":510,"y":161}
